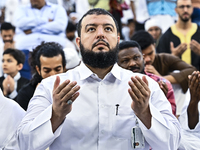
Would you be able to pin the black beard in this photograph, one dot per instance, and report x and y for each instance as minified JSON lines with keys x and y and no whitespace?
{"x":99,"y":59}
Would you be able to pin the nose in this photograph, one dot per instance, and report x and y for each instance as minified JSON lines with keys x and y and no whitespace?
{"x":100,"y":33}
{"x":132,"y":63}
{"x":147,"y":58}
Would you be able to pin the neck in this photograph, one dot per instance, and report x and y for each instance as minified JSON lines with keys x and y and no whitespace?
{"x":183,"y":25}
{"x":13,"y":74}
{"x":100,"y":72}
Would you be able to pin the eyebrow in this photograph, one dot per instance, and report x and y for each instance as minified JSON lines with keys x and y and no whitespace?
{"x":53,"y":68}
{"x":95,"y":25}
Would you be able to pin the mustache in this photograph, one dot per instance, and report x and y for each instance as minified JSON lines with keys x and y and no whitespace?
{"x":186,"y":13}
{"x":134,"y":67}
{"x":7,"y":41}
{"x":101,"y":40}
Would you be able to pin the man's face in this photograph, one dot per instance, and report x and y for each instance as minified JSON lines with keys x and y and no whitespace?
{"x":7,"y":35}
{"x":131,"y":59}
{"x":99,"y":41}
{"x":149,"y":54}
{"x":184,"y":10}
{"x":37,"y":3}
{"x":50,"y":66}
{"x":155,"y":32}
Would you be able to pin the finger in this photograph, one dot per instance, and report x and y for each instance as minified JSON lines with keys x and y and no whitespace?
{"x":133,"y":96}
{"x":171,"y":45}
{"x":56,"y":83}
{"x":194,"y":80}
{"x":58,"y":88}
{"x":70,"y":93}
{"x":74,"y":97}
{"x":139,"y":87}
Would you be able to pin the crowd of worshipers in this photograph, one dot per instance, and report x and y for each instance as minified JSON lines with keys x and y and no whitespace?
{"x":58,"y":79}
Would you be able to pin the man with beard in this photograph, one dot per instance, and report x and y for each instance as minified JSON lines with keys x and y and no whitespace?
{"x":182,"y":38}
{"x":130,"y":57}
{"x":113,"y":108}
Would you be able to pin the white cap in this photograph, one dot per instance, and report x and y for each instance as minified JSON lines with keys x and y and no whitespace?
{"x":151,"y":23}
{"x":72,"y":58}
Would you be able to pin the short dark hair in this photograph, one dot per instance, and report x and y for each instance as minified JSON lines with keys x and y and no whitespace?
{"x":128,"y":44}
{"x":95,"y":11}
{"x":143,"y":38}
{"x":48,"y":49}
{"x":7,"y":26}
{"x":18,"y":55}
{"x":70,"y":27}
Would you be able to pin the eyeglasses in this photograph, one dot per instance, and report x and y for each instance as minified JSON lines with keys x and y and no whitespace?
{"x":183,"y":6}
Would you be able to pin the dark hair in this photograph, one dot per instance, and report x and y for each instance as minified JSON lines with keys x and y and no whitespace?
{"x":18,"y":55}
{"x":7,"y":26}
{"x":128,"y":44}
{"x":48,"y":49}
{"x":130,"y":21}
{"x":70,"y":27}
{"x":95,"y":11}
{"x":143,"y":38}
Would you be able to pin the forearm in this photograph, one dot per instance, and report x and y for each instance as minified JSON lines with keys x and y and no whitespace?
{"x":171,"y":79}
{"x":145,"y":118}
{"x":56,"y":121}
{"x":193,"y":114}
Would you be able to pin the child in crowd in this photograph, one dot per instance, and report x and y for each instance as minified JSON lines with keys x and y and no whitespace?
{"x":11,"y":82}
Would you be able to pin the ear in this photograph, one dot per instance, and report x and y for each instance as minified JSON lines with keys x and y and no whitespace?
{"x":78,"y":40}
{"x":37,"y":69}
{"x":118,"y":39}
{"x":19,"y":66}
{"x":176,"y":10}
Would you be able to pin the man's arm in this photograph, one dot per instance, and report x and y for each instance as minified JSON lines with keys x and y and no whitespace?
{"x":40,"y":118}
{"x":55,"y":25}
{"x":25,"y":21}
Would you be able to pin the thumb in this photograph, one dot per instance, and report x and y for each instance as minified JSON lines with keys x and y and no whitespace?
{"x":171,"y":45}
{"x":145,"y":80}
{"x":56,"y":83}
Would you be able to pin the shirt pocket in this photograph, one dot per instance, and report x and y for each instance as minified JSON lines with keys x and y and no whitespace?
{"x":123,"y":122}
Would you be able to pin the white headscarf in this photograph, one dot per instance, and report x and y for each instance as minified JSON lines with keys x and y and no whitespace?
{"x":151,"y":23}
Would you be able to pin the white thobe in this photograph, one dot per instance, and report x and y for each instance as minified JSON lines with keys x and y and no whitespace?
{"x":93,"y":124}
{"x":11,"y":115}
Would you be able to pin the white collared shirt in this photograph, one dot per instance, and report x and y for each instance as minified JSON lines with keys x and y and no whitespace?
{"x":16,"y":78}
{"x":93,"y":124}
{"x":42,"y":29}
{"x":10,"y":116}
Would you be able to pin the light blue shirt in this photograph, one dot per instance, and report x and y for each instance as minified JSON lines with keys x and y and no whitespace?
{"x":161,"y":7}
{"x":93,"y":124}
{"x":42,"y":29}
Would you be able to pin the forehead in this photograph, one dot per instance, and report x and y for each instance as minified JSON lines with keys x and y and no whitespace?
{"x":8,"y":56}
{"x":185,"y":2}
{"x":10,"y":31}
{"x":129,"y":51}
{"x":51,"y":60}
{"x":98,"y":20}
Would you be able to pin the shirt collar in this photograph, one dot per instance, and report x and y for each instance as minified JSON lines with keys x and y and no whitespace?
{"x":85,"y":72}
{"x":16,"y":77}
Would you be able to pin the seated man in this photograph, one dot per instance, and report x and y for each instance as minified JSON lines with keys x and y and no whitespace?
{"x":46,"y":60}
{"x":130,"y":57}
{"x":109,"y":103}
{"x":164,"y":65}
{"x":40,"y":21}
{"x":189,"y":119}
{"x":11,"y":82}
{"x":11,"y":115}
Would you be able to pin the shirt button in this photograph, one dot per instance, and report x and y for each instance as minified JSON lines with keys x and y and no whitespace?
{"x":102,"y":132}
{"x":102,"y":106}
